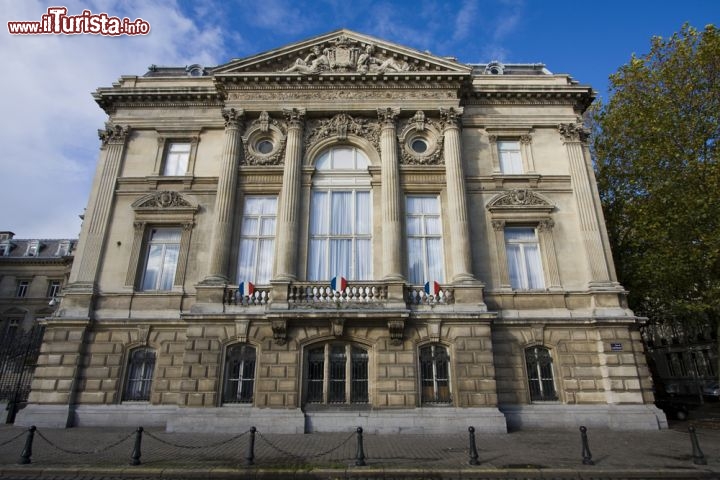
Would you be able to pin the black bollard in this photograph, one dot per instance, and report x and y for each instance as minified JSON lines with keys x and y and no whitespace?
{"x":697,"y":454}
{"x":136,"y":453}
{"x":250,"y":457}
{"x":587,"y":456}
{"x":27,"y":451}
{"x":473,"y":449}
{"x":360,"y":456}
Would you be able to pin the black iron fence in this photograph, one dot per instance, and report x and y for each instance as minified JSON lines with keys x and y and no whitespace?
{"x":18,"y":359}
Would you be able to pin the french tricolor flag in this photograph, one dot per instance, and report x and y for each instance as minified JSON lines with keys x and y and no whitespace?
{"x":432,"y":288}
{"x":339,"y":284}
{"x":246,"y":288}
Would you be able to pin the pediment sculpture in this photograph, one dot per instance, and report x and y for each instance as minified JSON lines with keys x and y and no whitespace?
{"x":346,"y":55}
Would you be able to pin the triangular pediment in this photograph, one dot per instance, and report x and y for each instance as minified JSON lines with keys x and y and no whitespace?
{"x":342,"y":52}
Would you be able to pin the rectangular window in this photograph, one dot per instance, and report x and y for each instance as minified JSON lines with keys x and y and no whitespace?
{"x":340,"y":235}
{"x":4,"y":249}
{"x":63,"y":249}
{"x":161,"y":259}
{"x":22,"y":288}
{"x":53,"y":288}
{"x":257,"y":240}
{"x":510,"y":158}
{"x":141,"y":366}
{"x":32,"y":249}
{"x":424,"y":237}
{"x":523,"y":256}
{"x":176,"y":159}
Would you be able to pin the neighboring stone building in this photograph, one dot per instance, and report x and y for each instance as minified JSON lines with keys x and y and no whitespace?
{"x":227,"y":199}
{"x":32,"y":275}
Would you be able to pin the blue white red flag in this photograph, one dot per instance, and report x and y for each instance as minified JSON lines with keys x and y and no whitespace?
{"x":246,"y":288}
{"x":432,"y":288}
{"x":339,"y":284}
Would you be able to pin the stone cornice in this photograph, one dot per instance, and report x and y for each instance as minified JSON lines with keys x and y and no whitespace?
{"x":110,"y":98}
{"x":580,"y":97}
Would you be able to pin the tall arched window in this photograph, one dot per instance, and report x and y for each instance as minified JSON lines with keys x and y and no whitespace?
{"x":141,"y":366}
{"x":340,"y":217}
{"x":540,"y":374}
{"x":239,"y":374}
{"x":336,"y":373}
{"x":435,"y":374}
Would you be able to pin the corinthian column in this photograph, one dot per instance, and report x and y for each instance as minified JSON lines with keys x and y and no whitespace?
{"x":392,"y":225}
{"x":225,"y":198}
{"x":96,"y":220}
{"x":287,"y":227}
{"x":457,"y":203}
{"x":574,"y":135}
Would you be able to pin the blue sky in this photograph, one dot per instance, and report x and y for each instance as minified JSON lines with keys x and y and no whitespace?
{"x":49,"y":122}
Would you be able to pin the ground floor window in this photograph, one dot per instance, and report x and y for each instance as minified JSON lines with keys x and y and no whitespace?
{"x":435,"y":374}
{"x":239,"y":374}
{"x":337,"y":373}
{"x":540,"y":374}
{"x":141,"y":365}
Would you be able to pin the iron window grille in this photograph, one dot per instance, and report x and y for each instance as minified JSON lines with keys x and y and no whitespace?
{"x":239,"y":374}
{"x":140,"y":374}
{"x":435,"y":375}
{"x":328,"y":371}
{"x":540,"y":374}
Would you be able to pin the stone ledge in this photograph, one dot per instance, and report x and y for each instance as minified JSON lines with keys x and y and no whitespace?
{"x":612,"y":417}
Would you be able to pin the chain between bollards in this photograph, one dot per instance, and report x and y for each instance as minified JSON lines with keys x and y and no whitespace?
{"x":697,"y":454}
{"x":27,"y":451}
{"x":250,"y":457}
{"x":360,"y":455}
{"x":473,"y":448}
{"x":587,"y":456}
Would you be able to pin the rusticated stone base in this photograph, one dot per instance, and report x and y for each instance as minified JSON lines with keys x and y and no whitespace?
{"x":43,"y":416}
{"x":236,"y":419}
{"x":418,"y":420}
{"x":613,"y":417}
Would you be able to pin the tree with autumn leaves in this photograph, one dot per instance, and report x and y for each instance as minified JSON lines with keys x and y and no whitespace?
{"x":656,"y":149}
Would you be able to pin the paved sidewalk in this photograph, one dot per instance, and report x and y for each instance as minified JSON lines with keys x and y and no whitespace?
{"x":106,"y":453}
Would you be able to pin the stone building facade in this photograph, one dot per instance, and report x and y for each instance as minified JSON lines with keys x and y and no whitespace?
{"x":343,"y":232}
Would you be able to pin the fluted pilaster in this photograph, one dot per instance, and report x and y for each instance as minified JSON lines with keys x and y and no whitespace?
{"x":391,"y":221}
{"x":574,"y":135}
{"x":97,"y":217}
{"x":457,"y":202}
{"x":225,"y":198}
{"x":287,"y":225}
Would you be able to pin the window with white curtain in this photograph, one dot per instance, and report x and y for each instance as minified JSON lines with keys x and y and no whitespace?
{"x":257,"y":240}
{"x":510,"y":158}
{"x":340,"y":217}
{"x":424,"y":239}
{"x":176,"y":159}
{"x":163,"y":249}
{"x":523,"y":256}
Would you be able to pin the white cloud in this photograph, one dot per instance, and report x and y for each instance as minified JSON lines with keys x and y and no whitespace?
{"x":49,"y":122}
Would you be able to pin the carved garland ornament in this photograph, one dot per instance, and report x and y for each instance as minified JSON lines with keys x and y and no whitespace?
{"x":162,"y":200}
{"x":340,"y":126}
{"x":264,"y":128}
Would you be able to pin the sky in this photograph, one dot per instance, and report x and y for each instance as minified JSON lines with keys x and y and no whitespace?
{"x":49,"y":120}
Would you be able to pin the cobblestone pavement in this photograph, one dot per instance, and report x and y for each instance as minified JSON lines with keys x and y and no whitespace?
{"x":105,"y":453}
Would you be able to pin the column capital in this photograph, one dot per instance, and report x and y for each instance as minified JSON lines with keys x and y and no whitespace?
{"x":498,"y":225}
{"x":388,"y":116}
{"x":294,"y":116}
{"x":113,"y":134}
{"x":233,"y":117}
{"x":451,"y":116}
{"x":573,"y":132}
{"x":545,"y":225}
